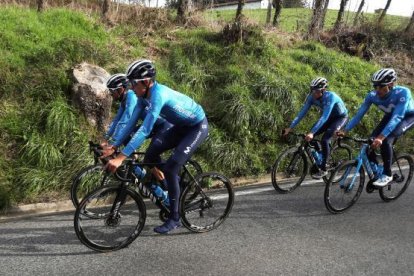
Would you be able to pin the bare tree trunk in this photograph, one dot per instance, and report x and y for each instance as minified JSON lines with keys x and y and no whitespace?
{"x":278,"y":9}
{"x":156,"y":5}
{"x":239,"y":10}
{"x":323,"y":16}
{"x":40,"y":5}
{"x":410,"y":26}
{"x":338,"y":22}
{"x":358,"y":14}
{"x":182,"y":11}
{"x":105,"y":8}
{"x":315,"y":24}
{"x":269,"y":12}
{"x":384,"y":12}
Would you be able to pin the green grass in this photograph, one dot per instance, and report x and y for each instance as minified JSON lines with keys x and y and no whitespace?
{"x":250,"y":90}
{"x":297,"y":19}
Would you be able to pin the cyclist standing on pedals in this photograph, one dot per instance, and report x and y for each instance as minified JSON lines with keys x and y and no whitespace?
{"x":334,"y":116}
{"x":189,"y":131}
{"x":117,"y":85}
{"x":397,"y":104}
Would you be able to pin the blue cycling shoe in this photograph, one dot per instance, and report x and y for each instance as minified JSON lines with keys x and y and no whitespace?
{"x":168,"y":226}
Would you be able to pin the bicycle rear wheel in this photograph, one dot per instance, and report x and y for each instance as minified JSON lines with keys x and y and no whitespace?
{"x":289,"y":170}
{"x":106,"y":231}
{"x":87,"y":180}
{"x":207,"y":202}
{"x":402,"y":174}
{"x":341,"y":195}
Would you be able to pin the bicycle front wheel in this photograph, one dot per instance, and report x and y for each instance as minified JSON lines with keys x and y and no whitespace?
{"x":341,"y":195}
{"x":289,"y":170}
{"x":402,"y":174}
{"x":87,"y":180}
{"x":206,"y":202}
{"x":107,"y":230}
{"x":338,"y":155}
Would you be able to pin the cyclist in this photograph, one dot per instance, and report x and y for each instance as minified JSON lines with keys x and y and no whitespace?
{"x":397,"y":104}
{"x":190,"y":129}
{"x":334,"y":116}
{"x":117,"y":85}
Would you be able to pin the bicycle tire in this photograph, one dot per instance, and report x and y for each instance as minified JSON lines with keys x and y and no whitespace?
{"x":87,"y":180}
{"x":103,"y":198}
{"x":212,"y":204}
{"x":351,"y":194}
{"x":387,"y":193}
{"x":278,"y":168}
{"x":336,"y":160}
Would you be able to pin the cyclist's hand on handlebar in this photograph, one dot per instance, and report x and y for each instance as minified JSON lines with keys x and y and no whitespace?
{"x":159,"y":175}
{"x":104,"y":144}
{"x":113,"y":164}
{"x":107,"y":152}
{"x":340,"y":133}
{"x":286,"y":131}
{"x":377,"y":142}
{"x":309,"y":137}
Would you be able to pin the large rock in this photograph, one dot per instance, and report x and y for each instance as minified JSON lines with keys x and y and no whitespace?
{"x":89,"y":94}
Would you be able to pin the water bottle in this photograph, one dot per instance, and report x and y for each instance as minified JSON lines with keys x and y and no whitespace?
{"x":317,"y":156}
{"x":139,"y":172}
{"x":160,"y":193}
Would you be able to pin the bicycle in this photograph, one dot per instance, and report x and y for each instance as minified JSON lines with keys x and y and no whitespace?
{"x":342,"y":195}
{"x":111,"y":217}
{"x":291,"y":167}
{"x":93,"y":176}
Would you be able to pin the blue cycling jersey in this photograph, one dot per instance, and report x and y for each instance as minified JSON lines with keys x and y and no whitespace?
{"x":139,"y":113}
{"x":175,"y":107}
{"x":330,"y":104}
{"x":123,"y":115}
{"x":397,"y":102}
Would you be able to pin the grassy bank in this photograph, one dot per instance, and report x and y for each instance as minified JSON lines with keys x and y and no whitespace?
{"x":250,"y":91}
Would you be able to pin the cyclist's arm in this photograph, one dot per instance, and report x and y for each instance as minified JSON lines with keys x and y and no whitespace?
{"x":114,"y":123}
{"x":360,"y":113}
{"x":397,"y":115}
{"x":145,"y":130}
{"x":302,"y":112}
{"x":125,"y":119}
{"x":122,"y":135}
{"x":327,"y":110}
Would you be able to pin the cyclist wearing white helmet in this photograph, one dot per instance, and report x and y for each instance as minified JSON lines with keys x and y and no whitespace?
{"x":397,"y":104}
{"x":190,"y":129}
{"x":334,"y":116}
{"x":117,"y":85}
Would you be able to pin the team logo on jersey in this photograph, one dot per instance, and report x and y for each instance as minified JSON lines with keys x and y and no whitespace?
{"x":402,"y":99}
{"x":187,"y":150}
{"x":387,"y":109}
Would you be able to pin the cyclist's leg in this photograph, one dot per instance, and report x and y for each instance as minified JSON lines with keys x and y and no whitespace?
{"x":334,"y":124}
{"x":377,"y":131}
{"x":386,"y":147}
{"x":191,"y":140}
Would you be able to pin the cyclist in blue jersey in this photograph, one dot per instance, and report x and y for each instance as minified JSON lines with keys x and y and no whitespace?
{"x":398,"y":107}
{"x":117,"y":85}
{"x":190,"y":129}
{"x":334,"y":116}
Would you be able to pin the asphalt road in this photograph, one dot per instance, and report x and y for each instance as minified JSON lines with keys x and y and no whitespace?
{"x":266,"y":234}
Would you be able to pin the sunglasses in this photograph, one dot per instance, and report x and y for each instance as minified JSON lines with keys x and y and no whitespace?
{"x":113,"y":90}
{"x":134,"y":82}
{"x":379,"y":85}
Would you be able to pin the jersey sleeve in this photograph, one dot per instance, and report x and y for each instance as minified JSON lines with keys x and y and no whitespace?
{"x":130,"y":104}
{"x":156,"y":104}
{"x":397,"y":115}
{"x":114,"y":123}
{"x":360,"y":113}
{"x":302,"y":112}
{"x":327,"y":110}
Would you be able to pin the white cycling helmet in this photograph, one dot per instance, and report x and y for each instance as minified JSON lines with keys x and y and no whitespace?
{"x":383,"y":77}
{"x":318,"y":83}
